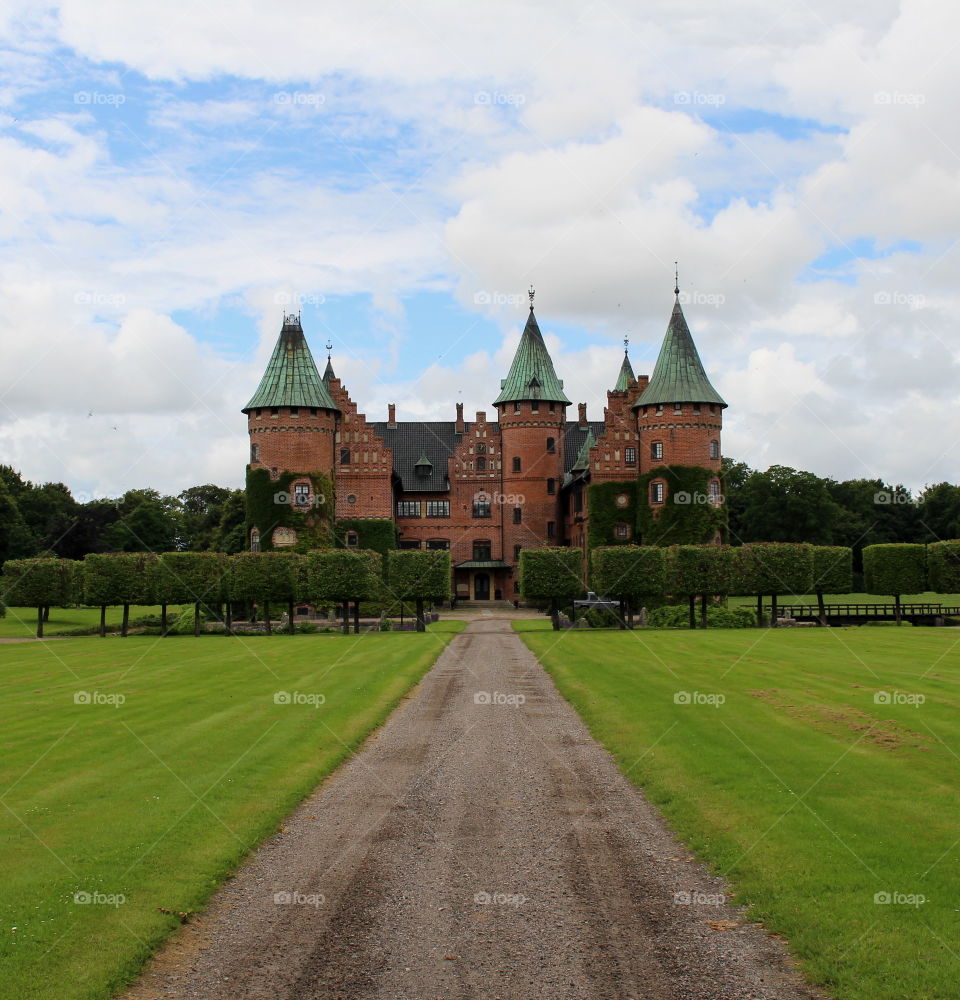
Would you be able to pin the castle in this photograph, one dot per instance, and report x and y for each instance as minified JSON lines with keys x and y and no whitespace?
{"x":321,"y":472}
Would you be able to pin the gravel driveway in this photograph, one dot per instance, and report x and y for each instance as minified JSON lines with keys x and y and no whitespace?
{"x":481,"y":845}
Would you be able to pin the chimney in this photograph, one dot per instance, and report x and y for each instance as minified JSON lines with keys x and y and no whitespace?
{"x":582,"y":408}
{"x":392,"y":415}
{"x":481,"y":416}
{"x":459,"y":427}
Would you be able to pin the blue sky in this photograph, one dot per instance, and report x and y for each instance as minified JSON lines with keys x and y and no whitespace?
{"x":401,"y":177}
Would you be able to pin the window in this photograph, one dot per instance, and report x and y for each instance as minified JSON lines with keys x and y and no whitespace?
{"x":438,"y":508}
{"x":408,"y":508}
{"x":351,"y":498}
{"x":481,"y":465}
{"x":481,"y":448}
{"x":409,"y":543}
{"x":254,"y":540}
{"x":656,"y":450}
{"x":656,"y":492}
{"x":517,"y":515}
{"x":274,"y":473}
{"x":438,"y":543}
{"x":516,"y":407}
{"x":352,"y":539}
{"x":677,"y":408}
{"x":516,"y":552}
{"x":481,"y":508}
{"x":713,"y":409}
{"x":551,"y":486}
{"x":516,"y":463}
{"x":313,"y":411}
{"x":553,"y":407}
{"x":344,"y":456}
{"x":481,"y":551}
{"x":259,"y":412}
{"x":535,"y":406}
{"x":551,"y":446}
{"x":294,"y":411}
{"x":254,"y":453}
{"x":274,"y":411}
{"x":621,"y":530}
{"x":630,"y":456}
{"x":714,"y":449}
{"x":696,"y":407}
{"x":713,"y":492}
{"x":551,"y":529}
{"x":301,"y":494}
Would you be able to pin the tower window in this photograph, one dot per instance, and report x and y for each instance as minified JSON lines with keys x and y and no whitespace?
{"x":352,"y":539}
{"x":696,"y":407}
{"x":630,"y":456}
{"x":656,"y":493}
{"x":301,"y":494}
{"x":551,"y":529}
{"x":516,"y":463}
{"x":659,"y":409}
{"x":254,"y":540}
{"x":313,"y":411}
{"x":535,"y":406}
{"x":551,"y":486}
{"x":677,"y":408}
{"x":714,"y":449}
{"x":294,"y":411}
{"x":553,"y":407}
{"x":551,"y":446}
{"x":254,"y":453}
{"x":517,"y":515}
{"x":713,"y":492}
{"x":274,"y":411}
{"x":516,"y":407}
{"x":344,"y":456}
{"x":656,"y":450}
{"x":259,"y":412}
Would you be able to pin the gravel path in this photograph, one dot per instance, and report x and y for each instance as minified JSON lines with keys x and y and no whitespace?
{"x":474,"y":850}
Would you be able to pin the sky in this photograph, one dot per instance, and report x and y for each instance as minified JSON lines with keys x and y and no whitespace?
{"x":174,"y":177}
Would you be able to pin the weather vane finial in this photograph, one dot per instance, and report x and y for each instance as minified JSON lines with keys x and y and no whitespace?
{"x":676,"y":278}
{"x":626,"y":343}
{"x":531,"y":294}
{"x":329,"y":348}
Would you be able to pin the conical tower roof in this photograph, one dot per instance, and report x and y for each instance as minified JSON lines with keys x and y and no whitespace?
{"x":328,"y":372}
{"x":626,"y":377}
{"x":678,"y":376}
{"x":291,"y":378}
{"x":531,"y":375}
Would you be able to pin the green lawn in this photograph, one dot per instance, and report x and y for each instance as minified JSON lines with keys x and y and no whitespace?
{"x":798,"y":785}
{"x":22,"y":622}
{"x":152,"y":798}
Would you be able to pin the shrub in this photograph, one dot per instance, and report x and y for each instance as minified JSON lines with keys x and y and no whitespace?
{"x":897,"y":568}
{"x":627,"y":572}
{"x":676,"y":616}
{"x":943,"y":565}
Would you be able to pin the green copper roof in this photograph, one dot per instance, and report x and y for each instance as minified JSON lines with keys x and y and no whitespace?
{"x":531,"y":375}
{"x":678,"y":376}
{"x":583,"y":459}
{"x":291,"y":378}
{"x":626,"y":376}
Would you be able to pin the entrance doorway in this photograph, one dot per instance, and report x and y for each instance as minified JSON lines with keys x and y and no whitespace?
{"x":481,"y":587}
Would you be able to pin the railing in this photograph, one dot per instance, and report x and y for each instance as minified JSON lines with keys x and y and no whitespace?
{"x":864,"y":610}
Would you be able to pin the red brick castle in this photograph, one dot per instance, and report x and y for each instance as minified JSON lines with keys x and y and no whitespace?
{"x":320,"y":472}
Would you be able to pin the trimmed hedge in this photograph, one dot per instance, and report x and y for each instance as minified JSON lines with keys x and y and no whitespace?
{"x":832,"y":569}
{"x":943,"y":567}
{"x":38,"y":583}
{"x":895,"y":568}
{"x":551,"y":574}
{"x":699,"y":569}
{"x":773,"y":568}
{"x":628,"y":571}
{"x":335,"y":575}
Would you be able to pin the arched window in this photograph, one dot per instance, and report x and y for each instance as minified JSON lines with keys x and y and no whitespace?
{"x":254,"y":540}
{"x":714,"y":449}
{"x":713,"y":492}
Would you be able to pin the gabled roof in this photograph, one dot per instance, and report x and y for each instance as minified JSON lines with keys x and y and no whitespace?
{"x":626,"y":377}
{"x":678,"y":376}
{"x":291,"y":378}
{"x":531,"y":375}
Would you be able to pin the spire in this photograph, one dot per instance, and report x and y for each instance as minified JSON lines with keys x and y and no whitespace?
{"x":531,"y":375}
{"x":328,"y":372}
{"x":678,"y":376}
{"x":291,"y":378}
{"x":626,"y":377}
{"x":676,"y":280}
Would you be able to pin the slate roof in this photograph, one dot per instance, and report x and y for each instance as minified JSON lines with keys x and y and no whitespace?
{"x":291,"y":378}
{"x":531,"y":375}
{"x":328,"y":372}
{"x":626,"y":377}
{"x":573,"y":438}
{"x":678,"y":376}
{"x":412,"y":441}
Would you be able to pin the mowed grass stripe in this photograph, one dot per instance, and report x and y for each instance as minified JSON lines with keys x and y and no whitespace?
{"x":802,"y":789}
{"x":160,"y":797}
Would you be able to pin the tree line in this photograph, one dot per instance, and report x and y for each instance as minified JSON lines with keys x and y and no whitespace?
{"x":219,"y":581}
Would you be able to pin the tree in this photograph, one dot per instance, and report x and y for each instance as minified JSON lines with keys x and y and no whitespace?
{"x":149,"y":526}
{"x":832,"y":573}
{"x":118,"y":578}
{"x":699,"y":569}
{"x":939,"y":513}
{"x":188,"y":577}
{"x":50,"y":513}
{"x":551,"y":574}
{"x":38,"y":583}
{"x":628,"y":573}
{"x":342,"y":576}
{"x":265,"y":577}
{"x":784,"y":505}
{"x":418,"y":576}
{"x":230,"y":535}
{"x":201,"y":510}
{"x":16,"y":541}
{"x":734,"y":476}
{"x":772,"y":568}
{"x":896,"y":569}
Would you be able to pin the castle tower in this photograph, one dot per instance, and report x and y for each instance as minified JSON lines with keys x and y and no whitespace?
{"x":531,"y":411}
{"x":292,"y":422}
{"x":679,"y":413}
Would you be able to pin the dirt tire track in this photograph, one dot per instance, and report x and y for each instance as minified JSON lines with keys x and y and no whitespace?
{"x":472,"y":851}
